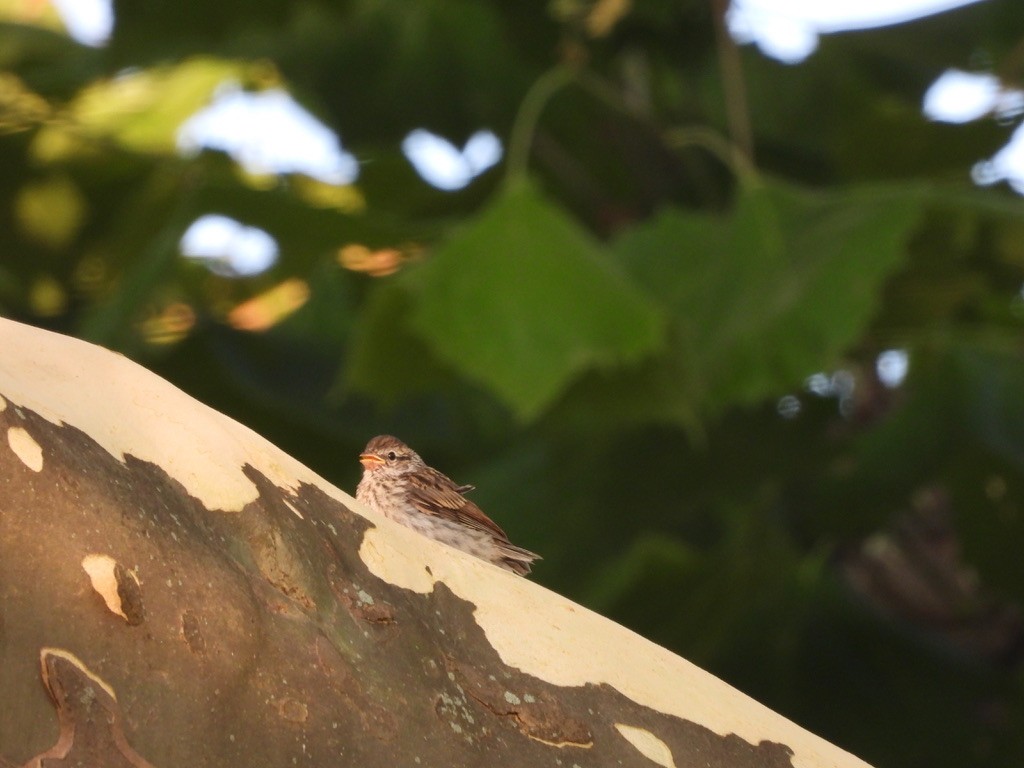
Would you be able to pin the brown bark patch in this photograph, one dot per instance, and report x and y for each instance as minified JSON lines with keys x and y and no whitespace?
{"x":91,"y":722}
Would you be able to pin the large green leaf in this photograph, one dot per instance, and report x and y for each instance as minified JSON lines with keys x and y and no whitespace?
{"x":523,"y":299}
{"x":776,"y":290}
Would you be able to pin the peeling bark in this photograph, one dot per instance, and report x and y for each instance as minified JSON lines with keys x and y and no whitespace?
{"x":178,"y":627}
{"x":88,"y":715}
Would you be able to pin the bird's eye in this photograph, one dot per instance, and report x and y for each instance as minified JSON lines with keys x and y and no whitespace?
{"x":391,"y":456}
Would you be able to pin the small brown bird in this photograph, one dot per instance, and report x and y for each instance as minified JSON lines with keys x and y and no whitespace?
{"x":398,"y":484}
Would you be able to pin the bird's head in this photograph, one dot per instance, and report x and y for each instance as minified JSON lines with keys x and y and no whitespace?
{"x":388,"y":455}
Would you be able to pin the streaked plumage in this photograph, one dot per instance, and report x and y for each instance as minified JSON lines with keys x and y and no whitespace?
{"x":398,"y":484}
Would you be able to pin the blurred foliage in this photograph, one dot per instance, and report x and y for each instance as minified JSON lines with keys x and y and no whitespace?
{"x":611,"y":333}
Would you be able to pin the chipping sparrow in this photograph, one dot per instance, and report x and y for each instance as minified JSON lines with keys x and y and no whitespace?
{"x":399,"y":485}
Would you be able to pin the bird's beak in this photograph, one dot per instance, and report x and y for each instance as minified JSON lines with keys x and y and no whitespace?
{"x":370,"y":460}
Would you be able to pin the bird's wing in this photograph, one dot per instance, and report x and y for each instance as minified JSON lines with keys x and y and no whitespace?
{"x":441,"y":497}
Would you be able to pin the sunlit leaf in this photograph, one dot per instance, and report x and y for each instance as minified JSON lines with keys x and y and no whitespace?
{"x":271,"y":307}
{"x":47,"y":297}
{"x":143,"y":109}
{"x":51,"y":211}
{"x":375,"y":263}
{"x":20,"y":107}
{"x":524,"y":300}
{"x":169,"y":324}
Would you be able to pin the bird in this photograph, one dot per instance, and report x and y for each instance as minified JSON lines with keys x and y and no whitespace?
{"x":399,"y":485}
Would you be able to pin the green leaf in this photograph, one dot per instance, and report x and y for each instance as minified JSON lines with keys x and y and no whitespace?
{"x":775,"y":291}
{"x":523,"y":300}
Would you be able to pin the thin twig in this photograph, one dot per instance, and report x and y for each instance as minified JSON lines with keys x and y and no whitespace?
{"x":525,"y":125}
{"x":733,"y":85}
{"x":710,"y":140}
